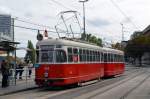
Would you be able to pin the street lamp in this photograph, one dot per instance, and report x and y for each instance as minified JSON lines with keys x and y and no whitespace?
{"x":83,"y":1}
{"x":122,"y":31}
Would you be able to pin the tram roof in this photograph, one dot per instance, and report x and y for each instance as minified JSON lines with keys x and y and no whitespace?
{"x":68,"y":43}
{"x":76,"y":44}
{"x":109,"y":50}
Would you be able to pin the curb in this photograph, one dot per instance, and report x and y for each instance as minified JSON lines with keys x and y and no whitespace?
{"x":21,"y":90}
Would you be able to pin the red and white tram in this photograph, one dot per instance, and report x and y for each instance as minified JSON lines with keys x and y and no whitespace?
{"x":63,"y":62}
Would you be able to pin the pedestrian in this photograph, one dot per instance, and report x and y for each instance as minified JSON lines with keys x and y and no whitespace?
{"x":17,"y":70}
{"x":30,"y":69}
{"x":20,"y":70}
{"x":5,"y":73}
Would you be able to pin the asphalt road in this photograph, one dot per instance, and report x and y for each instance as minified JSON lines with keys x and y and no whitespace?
{"x":133,"y":84}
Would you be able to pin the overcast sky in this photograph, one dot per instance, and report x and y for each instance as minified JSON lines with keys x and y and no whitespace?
{"x":103,"y":17}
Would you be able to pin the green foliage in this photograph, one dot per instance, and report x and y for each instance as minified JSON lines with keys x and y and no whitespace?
{"x":91,"y":38}
{"x":117,"y":46}
{"x":136,"y":34}
{"x":137,"y":46}
{"x":30,"y":55}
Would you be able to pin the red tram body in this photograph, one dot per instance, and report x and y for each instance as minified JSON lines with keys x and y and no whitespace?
{"x":64,"y":62}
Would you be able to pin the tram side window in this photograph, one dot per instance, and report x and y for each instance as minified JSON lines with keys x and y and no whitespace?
{"x":117,"y":58}
{"x":112,"y":57}
{"x":44,"y":57}
{"x":97,"y":56}
{"x":61,"y":56}
{"x":75,"y":54}
{"x":105,"y":57}
{"x":88,"y":56}
{"x":108,"y":57}
{"x":93,"y":56}
{"x":80,"y":55}
{"x":70,"y":55}
{"x":84,"y":55}
{"x":102,"y":57}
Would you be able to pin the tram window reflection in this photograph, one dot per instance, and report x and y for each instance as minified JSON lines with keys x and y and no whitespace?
{"x":70,"y":59}
{"x":61,"y":56}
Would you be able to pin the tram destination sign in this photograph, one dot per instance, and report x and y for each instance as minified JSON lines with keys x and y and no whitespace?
{"x":6,"y":30}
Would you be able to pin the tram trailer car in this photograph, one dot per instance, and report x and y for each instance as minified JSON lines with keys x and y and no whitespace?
{"x":113,"y":62}
{"x":63,"y":62}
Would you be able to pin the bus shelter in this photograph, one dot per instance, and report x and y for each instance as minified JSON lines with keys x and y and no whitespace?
{"x":8,"y":47}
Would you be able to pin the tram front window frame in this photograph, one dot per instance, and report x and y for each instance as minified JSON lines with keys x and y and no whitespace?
{"x":52,"y":54}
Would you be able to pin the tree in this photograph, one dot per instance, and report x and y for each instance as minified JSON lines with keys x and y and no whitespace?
{"x":137,"y":46}
{"x":117,"y":46}
{"x":91,"y":38}
{"x":30,"y":55}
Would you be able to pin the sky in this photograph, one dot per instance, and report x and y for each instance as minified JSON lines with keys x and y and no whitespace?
{"x":103,"y":17}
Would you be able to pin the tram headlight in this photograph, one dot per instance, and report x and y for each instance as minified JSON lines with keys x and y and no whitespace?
{"x":46,"y":74}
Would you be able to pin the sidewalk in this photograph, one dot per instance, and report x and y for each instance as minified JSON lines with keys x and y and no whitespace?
{"x":21,"y":85}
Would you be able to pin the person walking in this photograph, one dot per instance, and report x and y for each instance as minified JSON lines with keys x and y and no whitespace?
{"x":5,"y":73}
{"x":30,"y":69}
{"x":20,"y":70}
{"x":17,"y":71}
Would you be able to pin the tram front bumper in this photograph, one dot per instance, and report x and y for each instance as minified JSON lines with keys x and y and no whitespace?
{"x":49,"y":81}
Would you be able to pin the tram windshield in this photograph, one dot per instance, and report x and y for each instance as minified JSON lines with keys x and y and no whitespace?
{"x":47,"y":56}
{"x":50,"y":55}
{"x":46,"y":53}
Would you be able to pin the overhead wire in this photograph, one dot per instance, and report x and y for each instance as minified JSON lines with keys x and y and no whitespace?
{"x":60,"y":4}
{"x":35,"y":29}
{"x":123,"y":13}
{"x":40,"y":25}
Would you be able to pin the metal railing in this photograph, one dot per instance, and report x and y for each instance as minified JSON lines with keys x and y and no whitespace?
{"x":16,"y":77}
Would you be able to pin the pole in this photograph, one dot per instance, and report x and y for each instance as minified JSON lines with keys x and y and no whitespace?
{"x":84,"y":29}
{"x":84,"y":19}
{"x":122,"y":31}
{"x":13,"y":31}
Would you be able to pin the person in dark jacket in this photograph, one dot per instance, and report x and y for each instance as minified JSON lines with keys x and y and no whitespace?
{"x":20,"y":70}
{"x":5,"y":73}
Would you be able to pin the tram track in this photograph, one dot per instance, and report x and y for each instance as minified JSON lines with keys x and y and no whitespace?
{"x":134,"y":88}
{"x":120,"y":83}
